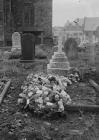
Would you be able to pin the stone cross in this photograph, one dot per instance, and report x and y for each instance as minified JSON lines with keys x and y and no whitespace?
{"x":16,"y":41}
{"x":42,"y":38}
{"x":60,"y":45}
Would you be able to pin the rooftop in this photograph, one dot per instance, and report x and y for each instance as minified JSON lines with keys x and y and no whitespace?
{"x":91,"y":23}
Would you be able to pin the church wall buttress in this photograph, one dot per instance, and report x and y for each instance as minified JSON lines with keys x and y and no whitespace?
{"x":1,"y":24}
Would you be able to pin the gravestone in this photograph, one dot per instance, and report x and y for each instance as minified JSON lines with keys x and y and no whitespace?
{"x":16,"y":41}
{"x":59,"y":64}
{"x":28,"y":46}
{"x":97,"y":58}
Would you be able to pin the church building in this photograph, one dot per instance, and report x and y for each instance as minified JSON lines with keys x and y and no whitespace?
{"x":33,"y":16}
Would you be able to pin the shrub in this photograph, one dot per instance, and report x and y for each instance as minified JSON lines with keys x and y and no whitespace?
{"x":40,"y":53}
{"x":15,"y":54}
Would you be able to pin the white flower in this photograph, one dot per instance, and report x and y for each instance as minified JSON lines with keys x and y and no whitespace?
{"x":61,"y":106}
{"x":44,"y":88}
{"x":39,"y":100}
{"x":46,"y":99}
{"x":57,"y":97}
{"x":24,"y":87}
{"x":49,"y":104}
{"x":28,"y":101}
{"x":65,"y":84}
{"x":46,"y":93}
{"x":22,"y":95}
{"x":63,"y":93}
{"x":54,"y":87}
{"x":30,"y":94}
{"x":41,"y":106}
{"x":30,"y":87}
{"x":39,"y":92}
{"x":36,"y":88}
{"x":65,"y":97}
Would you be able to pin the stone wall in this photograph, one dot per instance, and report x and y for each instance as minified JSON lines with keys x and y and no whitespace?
{"x":36,"y":14}
{"x":43,"y":16}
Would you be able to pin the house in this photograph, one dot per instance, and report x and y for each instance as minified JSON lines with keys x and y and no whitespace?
{"x":90,"y":26}
{"x":72,"y":30}
{"x":91,"y":36}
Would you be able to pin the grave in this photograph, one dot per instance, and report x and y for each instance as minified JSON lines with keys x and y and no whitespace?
{"x":59,"y":64}
{"x":16,"y":41}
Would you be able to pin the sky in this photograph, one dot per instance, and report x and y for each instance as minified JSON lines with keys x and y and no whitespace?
{"x":64,"y":10}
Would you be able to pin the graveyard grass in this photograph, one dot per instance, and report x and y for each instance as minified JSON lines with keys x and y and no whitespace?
{"x":16,"y":124}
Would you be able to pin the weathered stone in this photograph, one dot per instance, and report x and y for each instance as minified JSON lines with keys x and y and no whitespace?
{"x":16,"y":41}
{"x":32,"y":14}
{"x":57,"y":65}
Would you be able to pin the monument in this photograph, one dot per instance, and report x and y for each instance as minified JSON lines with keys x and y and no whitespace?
{"x":16,"y":41}
{"x":59,"y":64}
{"x":28,"y":47}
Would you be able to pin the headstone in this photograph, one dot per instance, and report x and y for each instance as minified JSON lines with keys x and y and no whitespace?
{"x":92,"y":54}
{"x":28,"y":46}
{"x":97,"y":58}
{"x":59,"y":64}
{"x":16,"y":41}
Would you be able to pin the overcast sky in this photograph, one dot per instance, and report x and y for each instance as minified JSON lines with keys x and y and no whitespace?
{"x":64,"y":10}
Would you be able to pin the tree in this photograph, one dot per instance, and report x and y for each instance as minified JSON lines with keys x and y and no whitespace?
{"x":71,"y":48}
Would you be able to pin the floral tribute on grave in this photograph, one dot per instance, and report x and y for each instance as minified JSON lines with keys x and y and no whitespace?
{"x":42,"y":92}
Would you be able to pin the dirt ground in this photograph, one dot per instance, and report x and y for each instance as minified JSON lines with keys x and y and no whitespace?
{"x":17,"y":124}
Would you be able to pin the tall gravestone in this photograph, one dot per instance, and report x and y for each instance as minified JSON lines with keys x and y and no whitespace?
{"x":16,"y":41}
{"x":59,"y":64}
{"x":28,"y":46}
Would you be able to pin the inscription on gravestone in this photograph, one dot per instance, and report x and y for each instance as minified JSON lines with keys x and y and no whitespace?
{"x":16,"y":41}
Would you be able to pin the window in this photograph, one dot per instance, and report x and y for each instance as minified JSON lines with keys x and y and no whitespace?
{"x":28,"y":15}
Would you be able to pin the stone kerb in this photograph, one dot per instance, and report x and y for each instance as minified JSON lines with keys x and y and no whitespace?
{"x":16,"y":41}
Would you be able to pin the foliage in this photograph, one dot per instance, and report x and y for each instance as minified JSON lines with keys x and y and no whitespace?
{"x":71,"y":48}
{"x":15,"y":54}
{"x":40,"y":53}
{"x":45,"y":93}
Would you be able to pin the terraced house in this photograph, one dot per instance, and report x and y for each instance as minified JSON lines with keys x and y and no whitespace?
{"x":25,"y":16}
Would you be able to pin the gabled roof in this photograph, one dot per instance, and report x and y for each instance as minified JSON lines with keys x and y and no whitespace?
{"x":91,"y":23}
{"x":79,"y":21}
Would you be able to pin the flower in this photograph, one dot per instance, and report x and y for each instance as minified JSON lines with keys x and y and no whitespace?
{"x":45,"y":92}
